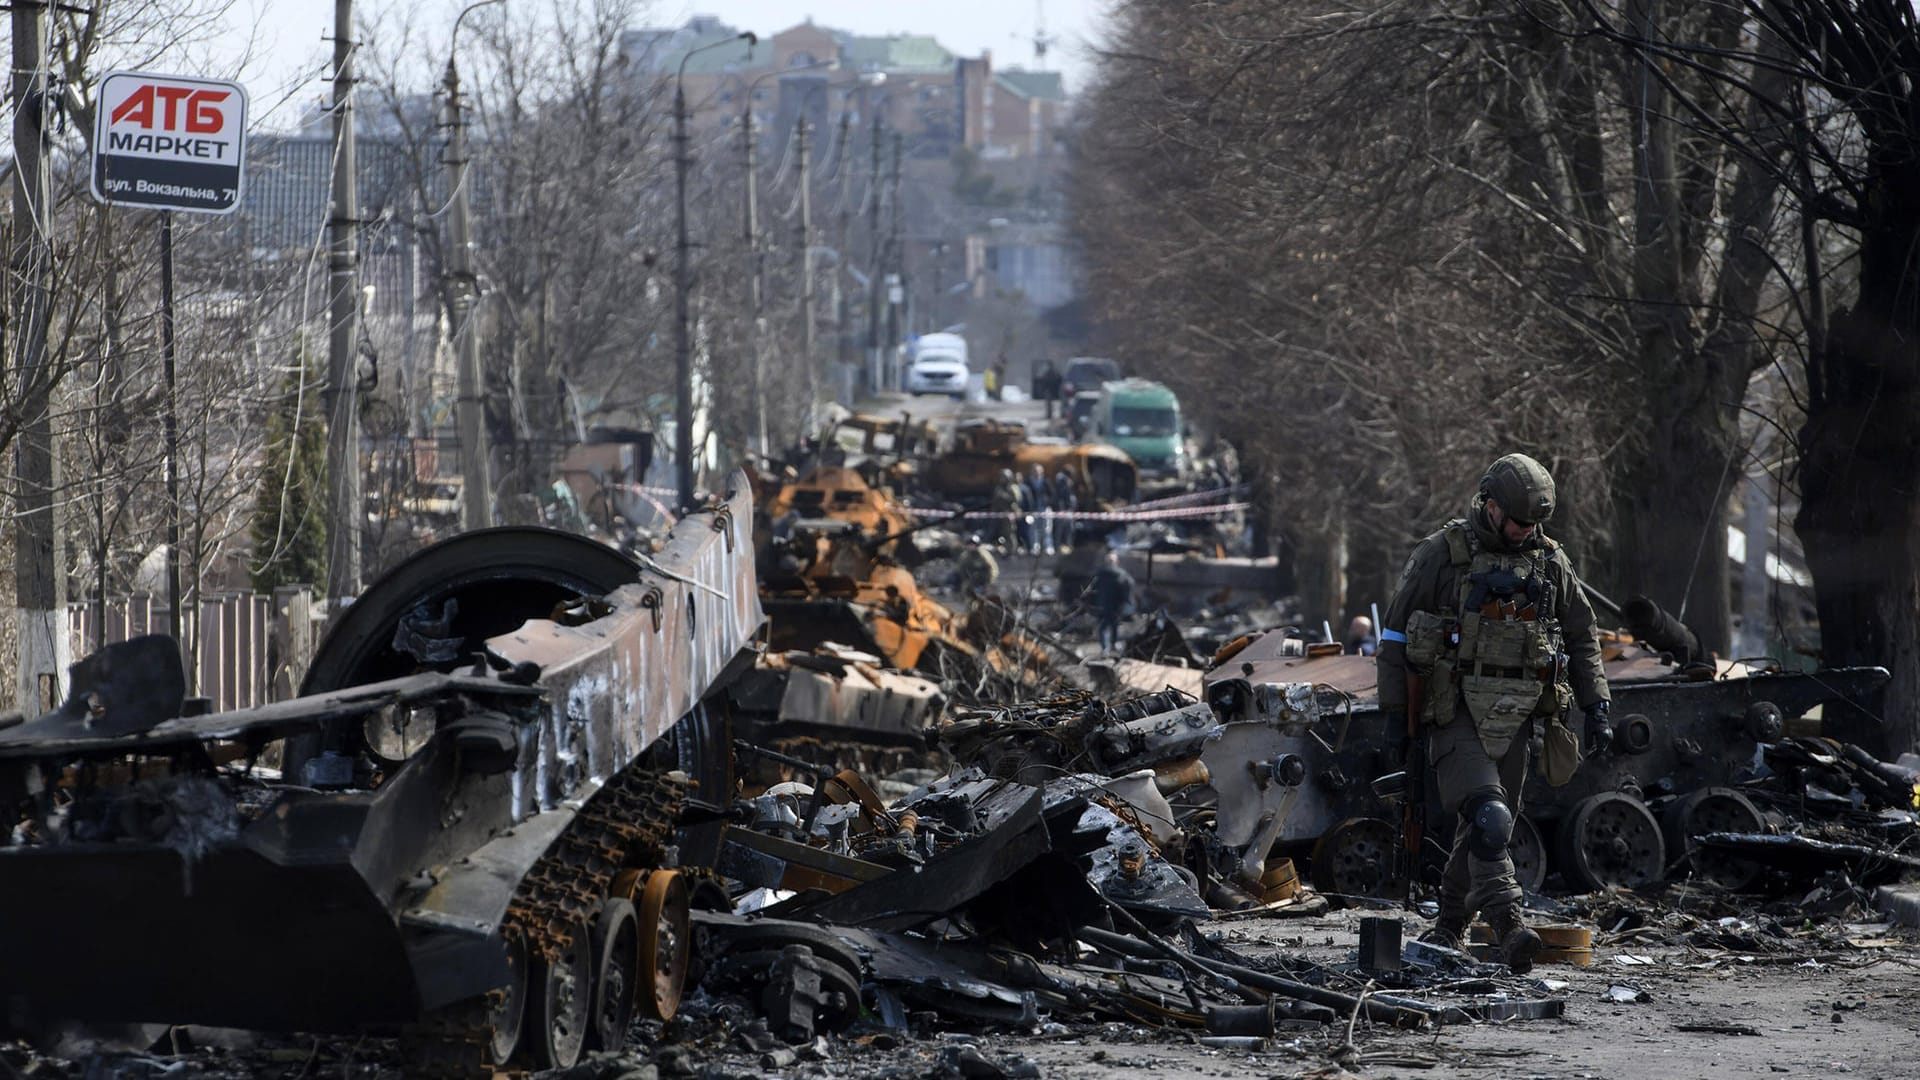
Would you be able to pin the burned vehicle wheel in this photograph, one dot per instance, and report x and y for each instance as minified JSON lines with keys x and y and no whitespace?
{"x":1708,"y":810}
{"x":1529,"y":855}
{"x":666,"y":939}
{"x":563,"y":1003}
{"x":1354,"y":859}
{"x":1611,"y":839}
{"x":507,"y":1012}
{"x":616,"y":966}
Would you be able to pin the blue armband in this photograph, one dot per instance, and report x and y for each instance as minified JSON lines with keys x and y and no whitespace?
{"x":1392,"y":635}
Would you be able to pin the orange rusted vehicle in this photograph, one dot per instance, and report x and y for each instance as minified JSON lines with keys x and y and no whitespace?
{"x":1104,"y":478}
{"x":832,"y":586}
{"x":838,"y":493}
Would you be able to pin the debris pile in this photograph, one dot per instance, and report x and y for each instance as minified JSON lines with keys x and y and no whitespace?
{"x":1061,"y":877}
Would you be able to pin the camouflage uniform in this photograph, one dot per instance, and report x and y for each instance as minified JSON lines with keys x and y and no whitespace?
{"x":1505,"y":641}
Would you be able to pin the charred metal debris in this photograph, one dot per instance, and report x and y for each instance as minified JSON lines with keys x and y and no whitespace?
{"x":541,"y":797}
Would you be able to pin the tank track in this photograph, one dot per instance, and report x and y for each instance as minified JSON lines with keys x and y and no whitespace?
{"x":628,"y":821}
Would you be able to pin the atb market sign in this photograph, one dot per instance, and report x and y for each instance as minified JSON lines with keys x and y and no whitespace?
{"x":169,"y":142}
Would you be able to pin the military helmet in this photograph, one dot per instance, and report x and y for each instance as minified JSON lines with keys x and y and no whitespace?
{"x":1522,"y":487}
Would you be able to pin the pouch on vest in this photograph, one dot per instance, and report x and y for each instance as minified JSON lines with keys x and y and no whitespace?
{"x":1499,"y":709}
{"x":1425,"y":635}
{"x":1559,"y":751}
{"x":1430,"y":654}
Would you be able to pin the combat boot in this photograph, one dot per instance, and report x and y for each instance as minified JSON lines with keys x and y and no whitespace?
{"x":1449,"y":929}
{"x":1518,"y":944}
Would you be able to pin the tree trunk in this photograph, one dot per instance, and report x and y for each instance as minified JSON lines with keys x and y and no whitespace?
{"x":1673,"y":524}
{"x":1321,"y":564}
{"x":1860,"y":460}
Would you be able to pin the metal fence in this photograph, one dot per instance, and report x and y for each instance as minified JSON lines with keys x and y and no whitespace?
{"x":240,"y":649}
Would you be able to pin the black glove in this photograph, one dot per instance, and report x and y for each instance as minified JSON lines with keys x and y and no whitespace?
{"x":1599,"y":733}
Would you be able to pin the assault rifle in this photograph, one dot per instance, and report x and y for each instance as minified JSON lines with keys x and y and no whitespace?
{"x":1409,"y":785}
{"x":1413,"y":814}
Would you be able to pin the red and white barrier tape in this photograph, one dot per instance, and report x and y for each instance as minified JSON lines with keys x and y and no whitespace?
{"x":1170,"y":514}
{"x":1167,"y":509}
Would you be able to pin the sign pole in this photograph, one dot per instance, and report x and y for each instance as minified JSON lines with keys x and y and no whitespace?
{"x":171,"y":429}
{"x":166,"y":143}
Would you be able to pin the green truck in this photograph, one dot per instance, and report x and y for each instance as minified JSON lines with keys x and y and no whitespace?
{"x":1142,"y":418}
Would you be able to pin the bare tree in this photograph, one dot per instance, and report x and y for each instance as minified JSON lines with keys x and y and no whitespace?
{"x":1851,"y":128}
{"x":1438,"y":235}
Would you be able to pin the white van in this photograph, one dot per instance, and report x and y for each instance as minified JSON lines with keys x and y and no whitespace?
{"x":938,"y":365}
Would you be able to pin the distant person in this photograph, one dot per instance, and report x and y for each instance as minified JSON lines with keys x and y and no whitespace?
{"x":1004,"y":503}
{"x":1360,"y":639}
{"x":1064,"y":503}
{"x":1046,"y":384}
{"x":1039,"y":501}
{"x":976,"y":569}
{"x":998,"y":372}
{"x":1111,"y":593}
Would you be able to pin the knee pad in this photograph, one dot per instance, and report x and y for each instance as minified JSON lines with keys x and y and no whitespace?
{"x":1490,"y":823}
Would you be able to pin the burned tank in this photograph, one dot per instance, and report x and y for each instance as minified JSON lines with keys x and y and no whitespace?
{"x":1103,"y":477}
{"x":484,"y":832}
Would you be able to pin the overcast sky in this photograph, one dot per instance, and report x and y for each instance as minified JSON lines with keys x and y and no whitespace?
{"x":290,"y":52}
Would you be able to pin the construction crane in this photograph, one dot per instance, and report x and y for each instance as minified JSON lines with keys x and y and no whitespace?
{"x":1041,"y":39}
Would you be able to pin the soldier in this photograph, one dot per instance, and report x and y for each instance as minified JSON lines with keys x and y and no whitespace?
{"x":1487,"y":635}
{"x":1005,"y":500}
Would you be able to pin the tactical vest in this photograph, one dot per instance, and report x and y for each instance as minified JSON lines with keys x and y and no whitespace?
{"x":1501,"y":652}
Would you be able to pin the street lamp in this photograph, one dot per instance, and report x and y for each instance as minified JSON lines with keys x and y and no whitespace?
{"x":756,"y":269}
{"x":682,"y":278}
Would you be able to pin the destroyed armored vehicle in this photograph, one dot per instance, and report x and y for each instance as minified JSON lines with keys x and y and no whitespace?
{"x":831,"y":494}
{"x":1104,"y":478}
{"x":482,"y":832}
{"x":844,"y":593}
{"x":1680,"y":730}
{"x":1274,"y":765}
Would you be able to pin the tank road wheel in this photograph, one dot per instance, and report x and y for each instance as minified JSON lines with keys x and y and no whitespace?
{"x":1356,"y":858}
{"x":507,"y":1007}
{"x":1611,"y":839}
{"x":666,"y":940}
{"x":563,"y":1003}
{"x":616,"y":966}
{"x":1529,"y":855}
{"x":1713,"y":809}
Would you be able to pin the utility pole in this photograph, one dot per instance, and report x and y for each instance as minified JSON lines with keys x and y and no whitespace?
{"x":938,"y":249}
{"x":806,"y":267}
{"x":682,"y":283}
{"x":345,"y":514}
{"x":873,"y":265}
{"x":170,"y":435}
{"x":39,"y":557}
{"x":755,"y":277}
{"x":683,"y":277}
{"x":476,"y":462}
{"x":896,"y":258}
